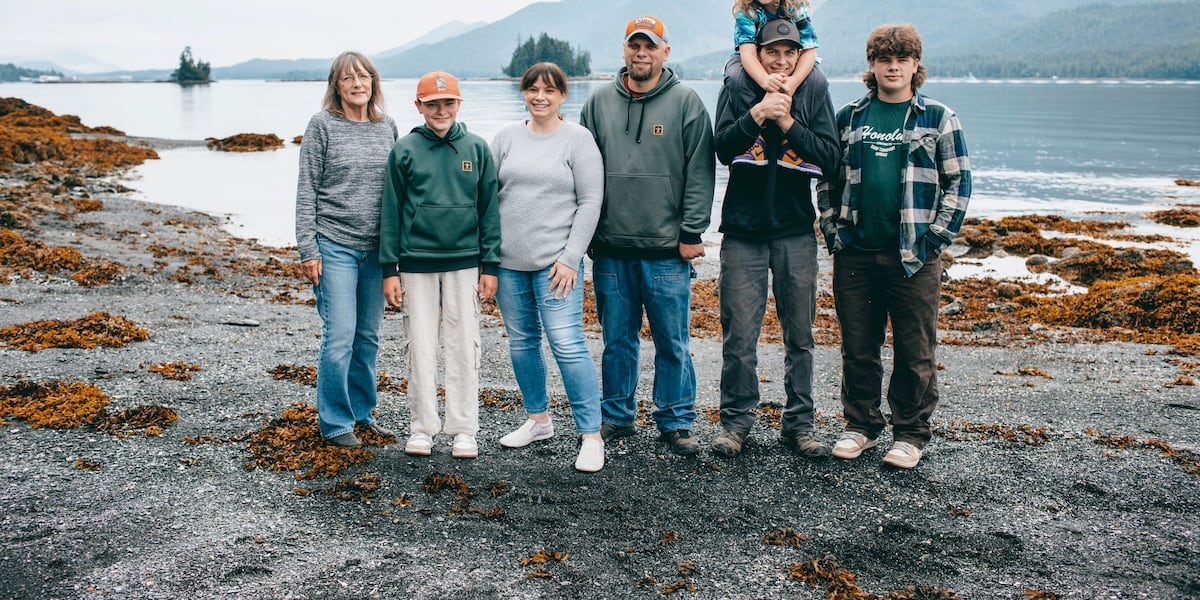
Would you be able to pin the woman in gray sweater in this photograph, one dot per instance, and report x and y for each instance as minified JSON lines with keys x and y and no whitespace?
{"x":343,"y":159}
{"x":551,"y":185}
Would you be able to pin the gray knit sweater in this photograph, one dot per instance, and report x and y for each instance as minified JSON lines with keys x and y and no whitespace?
{"x":342,"y":166}
{"x":551,"y":188}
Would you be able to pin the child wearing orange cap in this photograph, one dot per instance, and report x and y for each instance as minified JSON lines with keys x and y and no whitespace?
{"x":439,"y":248}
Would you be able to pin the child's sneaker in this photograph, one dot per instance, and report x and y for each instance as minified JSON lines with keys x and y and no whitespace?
{"x":903,"y":455}
{"x":464,"y":446}
{"x":591,"y":456}
{"x":419,"y":444}
{"x":852,"y":444}
{"x":530,"y":432}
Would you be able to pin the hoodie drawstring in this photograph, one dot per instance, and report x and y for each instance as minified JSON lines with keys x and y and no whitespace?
{"x":641,"y":120}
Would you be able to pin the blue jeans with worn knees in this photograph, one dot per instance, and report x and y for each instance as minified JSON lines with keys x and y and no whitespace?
{"x":350,"y":301}
{"x":663,"y":288}
{"x":792,"y":264}
{"x":529,"y":307}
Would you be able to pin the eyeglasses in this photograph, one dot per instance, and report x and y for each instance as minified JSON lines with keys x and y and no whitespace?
{"x":363,"y":77}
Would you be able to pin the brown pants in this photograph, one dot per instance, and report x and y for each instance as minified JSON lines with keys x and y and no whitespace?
{"x":869,"y":289}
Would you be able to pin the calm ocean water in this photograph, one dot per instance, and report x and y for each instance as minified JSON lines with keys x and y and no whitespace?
{"x":1064,"y":147}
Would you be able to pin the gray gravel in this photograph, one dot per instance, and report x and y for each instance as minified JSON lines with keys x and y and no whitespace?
{"x":164,"y":519}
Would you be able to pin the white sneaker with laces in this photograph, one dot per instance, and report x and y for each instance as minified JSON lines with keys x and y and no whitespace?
{"x":464,"y":446}
{"x":530,"y":432}
{"x":903,"y":455}
{"x":852,"y":444}
{"x":419,"y":444}
{"x":591,"y":456}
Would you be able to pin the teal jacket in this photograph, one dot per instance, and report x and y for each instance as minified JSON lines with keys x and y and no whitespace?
{"x":440,"y":210}
{"x":659,"y":167}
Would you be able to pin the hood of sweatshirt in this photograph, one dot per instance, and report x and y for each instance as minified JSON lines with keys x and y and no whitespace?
{"x":457,"y":131}
{"x":666,"y":82}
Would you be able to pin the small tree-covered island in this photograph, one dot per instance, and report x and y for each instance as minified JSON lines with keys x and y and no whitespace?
{"x":190,"y":70}
{"x":548,"y":49}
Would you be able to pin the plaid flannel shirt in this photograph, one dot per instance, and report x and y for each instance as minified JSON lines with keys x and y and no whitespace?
{"x":936,"y":180}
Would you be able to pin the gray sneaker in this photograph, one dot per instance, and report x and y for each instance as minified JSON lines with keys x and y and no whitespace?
{"x":729,"y":444}
{"x":805,"y":443}
{"x":346,"y":440}
{"x":612,"y":431}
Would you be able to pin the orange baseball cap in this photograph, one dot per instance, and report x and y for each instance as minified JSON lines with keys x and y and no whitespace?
{"x":436,"y":85}
{"x":650,"y":27}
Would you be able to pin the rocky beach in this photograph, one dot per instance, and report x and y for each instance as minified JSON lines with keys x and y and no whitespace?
{"x":159,"y":440}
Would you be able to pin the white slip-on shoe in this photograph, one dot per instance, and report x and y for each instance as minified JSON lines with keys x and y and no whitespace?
{"x":903,"y":455}
{"x":464,"y":446}
{"x":419,"y":444}
{"x":852,"y":444}
{"x":591,"y":456}
{"x":530,"y":432}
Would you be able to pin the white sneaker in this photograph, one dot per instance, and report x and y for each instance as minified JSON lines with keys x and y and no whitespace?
{"x":464,"y":446}
{"x":591,"y":456}
{"x":419,"y":444}
{"x":530,"y":432}
{"x":852,"y":444}
{"x":903,"y":455}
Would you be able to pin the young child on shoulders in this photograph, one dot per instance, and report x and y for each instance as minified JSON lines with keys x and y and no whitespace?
{"x":748,"y":17}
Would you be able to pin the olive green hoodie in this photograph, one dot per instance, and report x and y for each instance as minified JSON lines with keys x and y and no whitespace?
{"x":659,"y":167}
{"x":440,"y":211}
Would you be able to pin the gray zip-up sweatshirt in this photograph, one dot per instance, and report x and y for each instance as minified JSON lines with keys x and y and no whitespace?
{"x":342,"y":166}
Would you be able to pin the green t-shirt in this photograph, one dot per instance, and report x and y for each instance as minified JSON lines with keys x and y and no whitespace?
{"x":878,"y":226}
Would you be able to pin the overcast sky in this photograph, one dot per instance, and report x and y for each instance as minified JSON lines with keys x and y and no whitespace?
{"x":149,"y":34}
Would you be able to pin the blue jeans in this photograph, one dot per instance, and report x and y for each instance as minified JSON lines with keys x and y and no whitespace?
{"x":350,"y":302}
{"x":528,"y":307}
{"x":792,"y":262}
{"x":664,"y":289}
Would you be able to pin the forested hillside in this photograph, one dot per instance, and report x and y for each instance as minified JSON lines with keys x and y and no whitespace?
{"x":10,"y":72}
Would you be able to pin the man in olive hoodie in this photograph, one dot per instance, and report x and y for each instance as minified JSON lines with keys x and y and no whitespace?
{"x":439,"y":247}
{"x":657,"y":141}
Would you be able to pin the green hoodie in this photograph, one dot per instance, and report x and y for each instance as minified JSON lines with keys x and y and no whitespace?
{"x":659,"y":167}
{"x":439,"y":204}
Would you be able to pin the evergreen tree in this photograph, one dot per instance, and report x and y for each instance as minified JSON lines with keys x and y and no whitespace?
{"x":547,"y":49}
{"x":190,"y":70}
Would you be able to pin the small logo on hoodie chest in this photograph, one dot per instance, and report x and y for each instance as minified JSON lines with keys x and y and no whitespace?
{"x":658,"y":130}
{"x":466,"y":166}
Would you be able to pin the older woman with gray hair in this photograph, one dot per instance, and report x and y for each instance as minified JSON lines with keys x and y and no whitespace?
{"x":343,"y":159}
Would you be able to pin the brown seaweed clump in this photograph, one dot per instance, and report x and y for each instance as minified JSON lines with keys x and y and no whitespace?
{"x":147,"y":420}
{"x":841,"y":584}
{"x":1111,"y":264}
{"x":54,"y":404}
{"x":1190,"y":461}
{"x":436,"y":483}
{"x":293,"y":442}
{"x":30,"y":134}
{"x":1187,"y":182}
{"x":19,"y":253}
{"x":1176,"y":217}
{"x":175,"y":371}
{"x":785,"y":537}
{"x":246,"y":142}
{"x":97,"y":273}
{"x":96,"y":329}
{"x":1170,"y":303}
{"x":1019,"y":434}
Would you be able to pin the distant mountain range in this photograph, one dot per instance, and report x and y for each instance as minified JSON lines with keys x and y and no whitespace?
{"x":1015,"y":38}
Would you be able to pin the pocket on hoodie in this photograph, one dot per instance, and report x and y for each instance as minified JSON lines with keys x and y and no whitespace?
{"x":444,"y":228}
{"x":640,"y":206}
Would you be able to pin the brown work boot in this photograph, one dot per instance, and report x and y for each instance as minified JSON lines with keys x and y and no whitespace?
{"x":729,"y":444}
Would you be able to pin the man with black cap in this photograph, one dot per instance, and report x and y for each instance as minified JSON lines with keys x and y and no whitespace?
{"x":767,"y":221}
{"x":656,"y":139}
